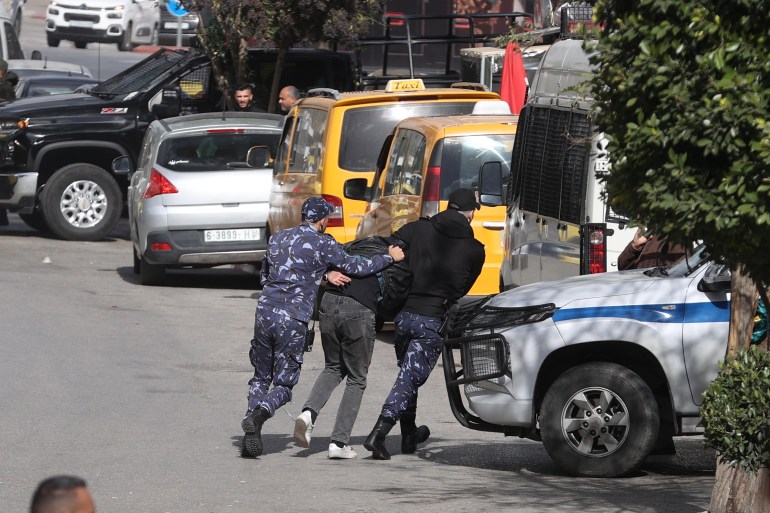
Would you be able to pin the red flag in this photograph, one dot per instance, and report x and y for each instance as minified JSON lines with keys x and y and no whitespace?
{"x":513,"y":83}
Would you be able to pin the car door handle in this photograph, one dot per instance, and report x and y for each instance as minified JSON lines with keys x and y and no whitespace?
{"x":493,"y":225}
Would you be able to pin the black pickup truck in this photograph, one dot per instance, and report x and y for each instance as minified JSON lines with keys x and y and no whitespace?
{"x":56,"y":152}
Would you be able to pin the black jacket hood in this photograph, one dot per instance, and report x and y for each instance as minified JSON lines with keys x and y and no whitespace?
{"x":452,"y":223}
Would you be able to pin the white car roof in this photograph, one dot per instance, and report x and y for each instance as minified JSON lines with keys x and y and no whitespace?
{"x":45,"y":64}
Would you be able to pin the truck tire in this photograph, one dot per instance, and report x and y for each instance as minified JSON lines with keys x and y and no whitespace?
{"x":35,"y":221}
{"x":599,"y":419}
{"x":53,"y":41}
{"x":151,"y":274}
{"x":81,"y":202}
{"x":125,"y":44}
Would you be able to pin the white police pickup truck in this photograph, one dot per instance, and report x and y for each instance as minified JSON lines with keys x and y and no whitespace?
{"x":599,"y":367}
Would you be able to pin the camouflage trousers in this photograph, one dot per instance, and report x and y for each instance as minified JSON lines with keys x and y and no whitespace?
{"x":276,"y":354}
{"x":418,"y":345}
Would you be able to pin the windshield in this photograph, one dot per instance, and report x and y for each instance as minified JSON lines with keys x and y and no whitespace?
{"x":211,"y":152}
{"x":364,"y":129}
{"x":683,"y":266}
{"x":461,"y":158}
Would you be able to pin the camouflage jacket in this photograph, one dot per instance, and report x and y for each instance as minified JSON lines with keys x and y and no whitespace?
{"x":297,"y":259}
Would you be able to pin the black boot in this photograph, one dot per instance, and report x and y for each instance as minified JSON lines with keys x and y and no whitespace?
{"x":411,"y":435}
{"x":375,"y":442}
{"x":252,"y":427}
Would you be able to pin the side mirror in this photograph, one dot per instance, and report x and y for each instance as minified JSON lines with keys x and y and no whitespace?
{"x":491,"y":184}
{"x":356,"y":189}
{"x":170,"y":104}
{"x":36,"y":55}
{"x":717,"y":278}
{"x":258,"y":157}
{"x":122,"y":165}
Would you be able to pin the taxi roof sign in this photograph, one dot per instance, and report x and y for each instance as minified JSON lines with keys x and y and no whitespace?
{"x":410,"y":84}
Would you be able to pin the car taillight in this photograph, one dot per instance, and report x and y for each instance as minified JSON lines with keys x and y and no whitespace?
{"x":593,"y":249}
{"x":158,"y":184}
{"x":431,"y":192}
{"x":336,"y":218}
{"x":161,"y":246}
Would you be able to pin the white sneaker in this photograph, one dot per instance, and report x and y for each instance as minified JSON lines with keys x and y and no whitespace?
{"x":341,"y":453}
{"x":303,"y":429}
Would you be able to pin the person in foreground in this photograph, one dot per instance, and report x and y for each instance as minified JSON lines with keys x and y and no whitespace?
{"x":347,"y":320}
{"x":62,"y":494}
{"x":445,"y":260}
{"x":296,"y":260}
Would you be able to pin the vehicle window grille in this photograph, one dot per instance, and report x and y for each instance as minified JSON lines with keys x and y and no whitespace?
{"x":551,"y":155}
{"x":194,"y":87}
{"x":535,"y":146}
{"x":516,"y":156}
{"x":575,"y":168}
{"x":145,"y":72}
{"x":552,"y":159}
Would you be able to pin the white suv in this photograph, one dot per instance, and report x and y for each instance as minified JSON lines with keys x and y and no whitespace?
{"x":124,"y":22}
{"x":603,"y":368}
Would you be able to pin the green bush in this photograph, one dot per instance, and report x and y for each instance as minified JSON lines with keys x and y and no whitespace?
{"x":736,"y":410}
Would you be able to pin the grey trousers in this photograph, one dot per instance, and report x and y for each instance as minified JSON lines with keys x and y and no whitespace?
{"x":347,"y":336}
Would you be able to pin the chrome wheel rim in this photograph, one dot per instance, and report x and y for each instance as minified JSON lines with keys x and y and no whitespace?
{"x":595,"y":422}
{"x":83,"y":204}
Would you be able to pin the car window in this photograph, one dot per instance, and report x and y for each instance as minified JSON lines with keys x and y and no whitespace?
{"x":146,"y":153}
{"x":283,"y":149}
{"x":364,"y":128}
{"x":308,"y":141}
{"x":404,"y":174}
{"x":462,"y":157}
{"x":51,"y":87}
{"x":211,"y":151}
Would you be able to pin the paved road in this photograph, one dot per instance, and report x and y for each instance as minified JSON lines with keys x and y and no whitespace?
{"x":141,"y":391}
{"x":103,"y":60}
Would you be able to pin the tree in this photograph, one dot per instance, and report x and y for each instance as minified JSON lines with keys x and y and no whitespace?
{"x":226,"y":30}
{"x":230,"y":26}
{"x":682,"y":92}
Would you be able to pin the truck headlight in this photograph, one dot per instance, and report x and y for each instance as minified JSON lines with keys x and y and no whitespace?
{"x":9,"y":127}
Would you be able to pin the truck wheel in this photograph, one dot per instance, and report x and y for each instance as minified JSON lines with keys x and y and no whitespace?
{"x":599,"y":420}
{"x":151,"y":274}
{"x":125,"y":44}
{"x":53,"y":41}
{"x":35,"y":221}
{"x":80,"y":44}
{"x":81,"y":202}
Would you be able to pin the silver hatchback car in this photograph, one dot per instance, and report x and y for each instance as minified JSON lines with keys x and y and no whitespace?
{"x":193,"y":201}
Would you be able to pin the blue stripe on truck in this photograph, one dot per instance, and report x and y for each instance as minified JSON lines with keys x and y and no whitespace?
{"x":718,"y":311}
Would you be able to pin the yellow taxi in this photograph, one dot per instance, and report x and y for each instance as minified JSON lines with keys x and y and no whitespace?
{"x":330,"y":137}
{"x":428,"y":158}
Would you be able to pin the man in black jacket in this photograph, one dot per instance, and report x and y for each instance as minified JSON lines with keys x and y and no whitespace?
{"x":445,"y":260}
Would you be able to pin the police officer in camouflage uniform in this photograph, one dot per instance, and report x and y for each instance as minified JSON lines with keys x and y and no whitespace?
{"x":296,"y":260}
{"x":445,"y":260}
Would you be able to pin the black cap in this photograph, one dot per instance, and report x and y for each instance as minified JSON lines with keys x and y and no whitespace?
{"x":463,"y":200}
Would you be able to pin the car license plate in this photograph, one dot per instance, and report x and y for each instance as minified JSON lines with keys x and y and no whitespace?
{"x":239,"y":234}
{"x":173,"y":25}
{"x":86,"y":24}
